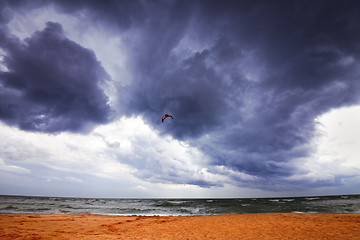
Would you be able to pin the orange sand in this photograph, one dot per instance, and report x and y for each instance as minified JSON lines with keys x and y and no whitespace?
{"x":240,"y":226}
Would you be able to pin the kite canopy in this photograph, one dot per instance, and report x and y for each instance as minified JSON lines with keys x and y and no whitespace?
{"x":165,"y":116}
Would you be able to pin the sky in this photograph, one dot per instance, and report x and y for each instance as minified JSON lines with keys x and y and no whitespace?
{"x":265,"y":97}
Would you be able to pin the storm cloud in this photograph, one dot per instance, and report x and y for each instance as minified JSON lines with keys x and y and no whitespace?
{"x":51,"y":84}
{"x":248,"y":96}
{"x":243,"y":80}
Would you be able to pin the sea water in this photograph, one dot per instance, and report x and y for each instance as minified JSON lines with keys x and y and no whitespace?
{"x":167,"y":207}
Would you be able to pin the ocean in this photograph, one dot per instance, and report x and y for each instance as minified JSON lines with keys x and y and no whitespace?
{"x":173,"y":207}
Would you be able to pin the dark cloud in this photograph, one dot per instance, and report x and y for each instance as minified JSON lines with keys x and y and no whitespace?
{"x":51,"y":83}
{"x":304,"y":57}
{"x":193,"y":93}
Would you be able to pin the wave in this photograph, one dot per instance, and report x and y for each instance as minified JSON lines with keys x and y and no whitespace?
{"x":312,"y":198}
{"x":326,"y":204}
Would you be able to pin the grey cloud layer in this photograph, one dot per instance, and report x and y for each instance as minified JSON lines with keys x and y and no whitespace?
{"x":247,"y":97}
{"x":51,"y":84}
{"x":306,"y":59}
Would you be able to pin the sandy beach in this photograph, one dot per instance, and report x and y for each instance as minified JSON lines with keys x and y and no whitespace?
{"x":239,"y":226}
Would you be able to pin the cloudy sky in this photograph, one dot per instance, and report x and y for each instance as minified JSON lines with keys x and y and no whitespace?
{"x":265,"y":98}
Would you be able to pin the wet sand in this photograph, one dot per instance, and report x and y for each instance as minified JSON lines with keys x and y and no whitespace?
{"x":239,"y":226}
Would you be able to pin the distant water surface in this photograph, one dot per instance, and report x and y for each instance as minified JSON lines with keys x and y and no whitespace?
{"x":166,"y":207}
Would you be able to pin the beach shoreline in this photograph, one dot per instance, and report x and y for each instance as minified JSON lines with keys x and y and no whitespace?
{"x":232,"y":226}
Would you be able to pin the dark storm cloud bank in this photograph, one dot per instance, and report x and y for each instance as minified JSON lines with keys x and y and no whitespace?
{"x":249,"y":95}
{"x":243,"y":80}
{"x":51,"y":84}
